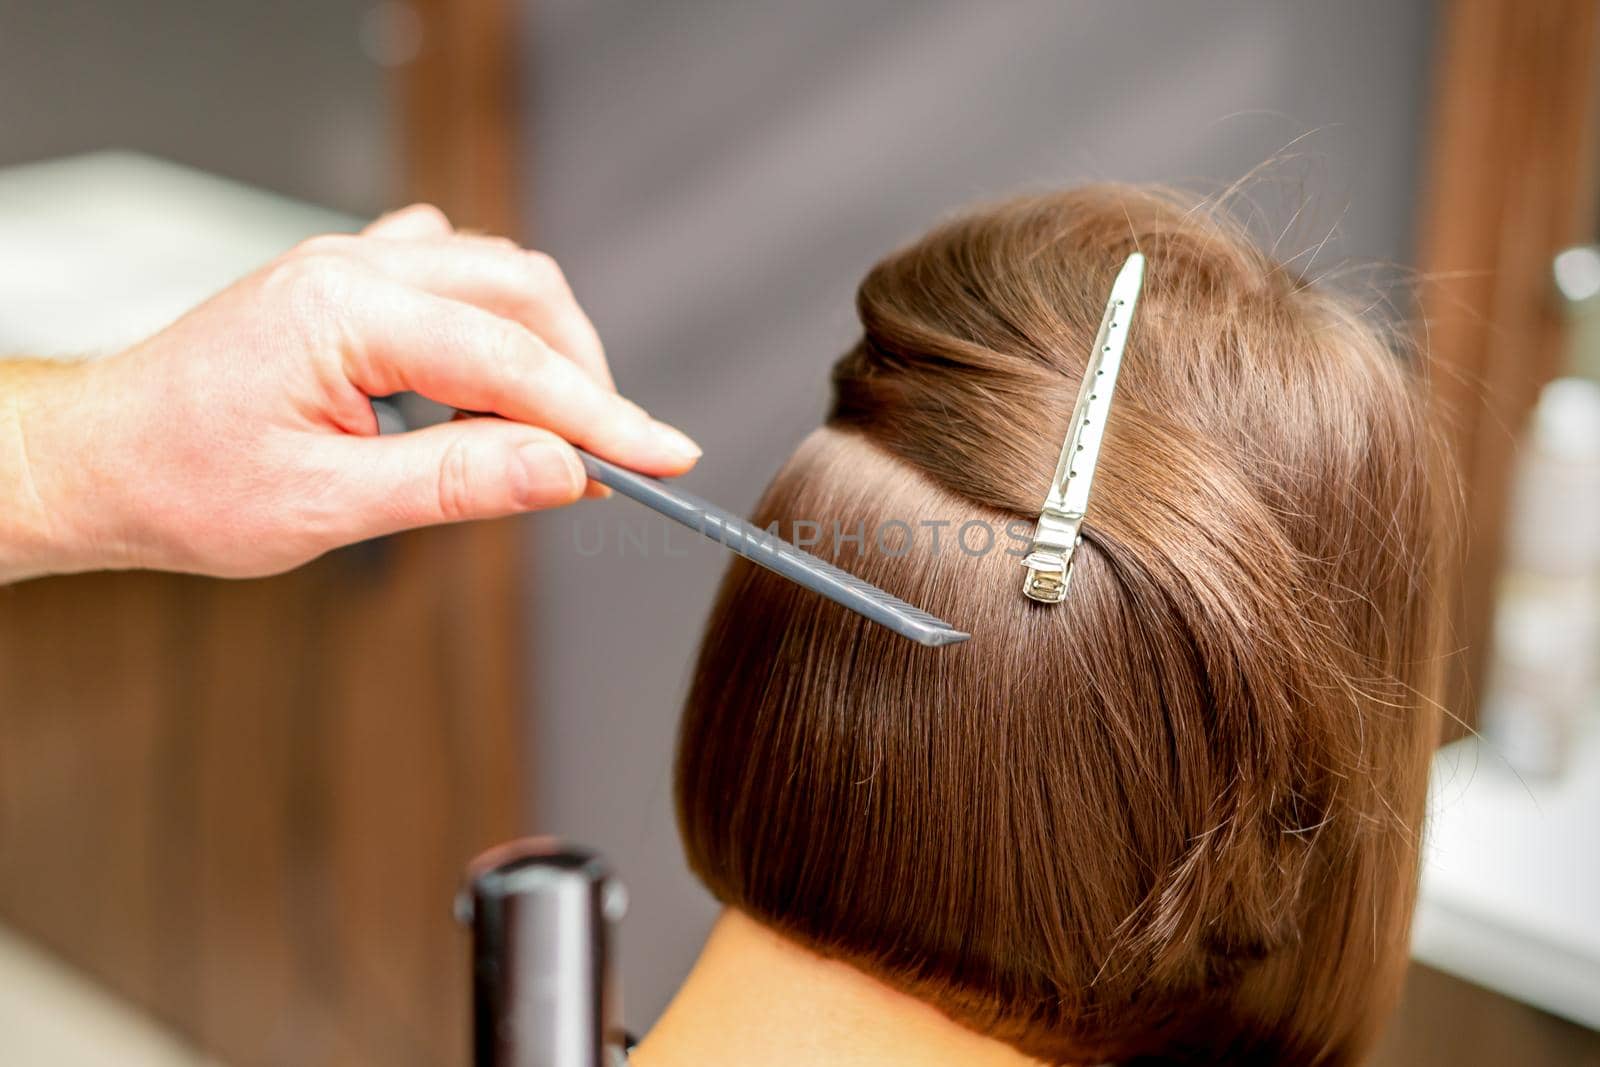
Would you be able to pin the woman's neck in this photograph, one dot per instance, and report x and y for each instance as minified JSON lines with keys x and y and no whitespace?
{"x":755,"y":999}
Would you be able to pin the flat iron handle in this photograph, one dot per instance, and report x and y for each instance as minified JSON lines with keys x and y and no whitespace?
{"x":543,"y":991}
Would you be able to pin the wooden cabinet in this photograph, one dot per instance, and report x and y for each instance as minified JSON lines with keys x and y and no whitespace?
{"x":245,"y":805}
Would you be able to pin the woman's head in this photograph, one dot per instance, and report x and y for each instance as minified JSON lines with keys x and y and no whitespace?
{"x":1175,"y":817}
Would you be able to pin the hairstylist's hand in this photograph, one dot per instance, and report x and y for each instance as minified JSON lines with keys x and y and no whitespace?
{"x":240,"y":440}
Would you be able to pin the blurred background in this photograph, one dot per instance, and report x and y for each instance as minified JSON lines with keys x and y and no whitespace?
{"x":233,"y":814}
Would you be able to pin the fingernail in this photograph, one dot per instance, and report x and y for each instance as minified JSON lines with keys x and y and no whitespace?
{"x":545,"y":466}
{"x":674,"y":441}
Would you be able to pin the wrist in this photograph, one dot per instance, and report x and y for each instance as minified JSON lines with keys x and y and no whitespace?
{"x":51,"y":485}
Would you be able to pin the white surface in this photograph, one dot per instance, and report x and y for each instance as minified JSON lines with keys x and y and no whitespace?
{"x":1511,"y":878}
{"x":101,"y":250}
{"x":50,"y":1015}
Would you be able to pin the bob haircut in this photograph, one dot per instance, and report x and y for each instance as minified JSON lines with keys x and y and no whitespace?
{"x":1176,"y":818}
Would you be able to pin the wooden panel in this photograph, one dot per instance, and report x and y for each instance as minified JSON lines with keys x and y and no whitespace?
{"x":245,"y":805}
{"x":1510,"y":182}
{"x":86,"y":808}
{"x":458,"y":103}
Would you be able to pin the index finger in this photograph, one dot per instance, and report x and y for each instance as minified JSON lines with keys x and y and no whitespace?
{"x":398,"y":338}
{"x":496,"y":275}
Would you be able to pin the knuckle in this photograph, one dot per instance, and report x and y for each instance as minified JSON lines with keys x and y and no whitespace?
{"x":428,"y":211}
{"x":323,"y":244}
{"x":544,"y":272}
{"x":312,"y":285}
{"x":513,"y":355}
{"x":455,"y":482}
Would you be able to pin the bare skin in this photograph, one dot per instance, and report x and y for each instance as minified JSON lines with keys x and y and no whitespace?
{"x":240,"y":440}
{"x":754,"y":997}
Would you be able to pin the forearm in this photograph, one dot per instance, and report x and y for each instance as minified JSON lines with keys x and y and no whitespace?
{"x":46,"y":469}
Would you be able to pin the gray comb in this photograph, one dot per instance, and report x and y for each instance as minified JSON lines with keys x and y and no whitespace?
{"x":768,"y":550}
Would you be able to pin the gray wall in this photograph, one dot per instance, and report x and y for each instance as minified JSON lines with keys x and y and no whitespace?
{"x":717,"y":176}
{"x":281,"y":95}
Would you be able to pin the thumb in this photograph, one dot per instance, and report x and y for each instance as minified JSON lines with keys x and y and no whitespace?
{"x":456,"y":471}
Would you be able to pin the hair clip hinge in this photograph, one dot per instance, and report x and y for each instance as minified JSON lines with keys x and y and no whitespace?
{"x":1049,"y":558}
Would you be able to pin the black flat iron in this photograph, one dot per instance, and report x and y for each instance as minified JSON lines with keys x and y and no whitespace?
{"x":543,"y":917}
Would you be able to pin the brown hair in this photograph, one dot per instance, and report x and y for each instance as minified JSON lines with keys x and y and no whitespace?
{"x":1176,"y":818}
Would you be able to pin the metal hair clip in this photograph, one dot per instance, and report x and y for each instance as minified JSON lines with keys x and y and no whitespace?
{"x":1049,"y":558}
